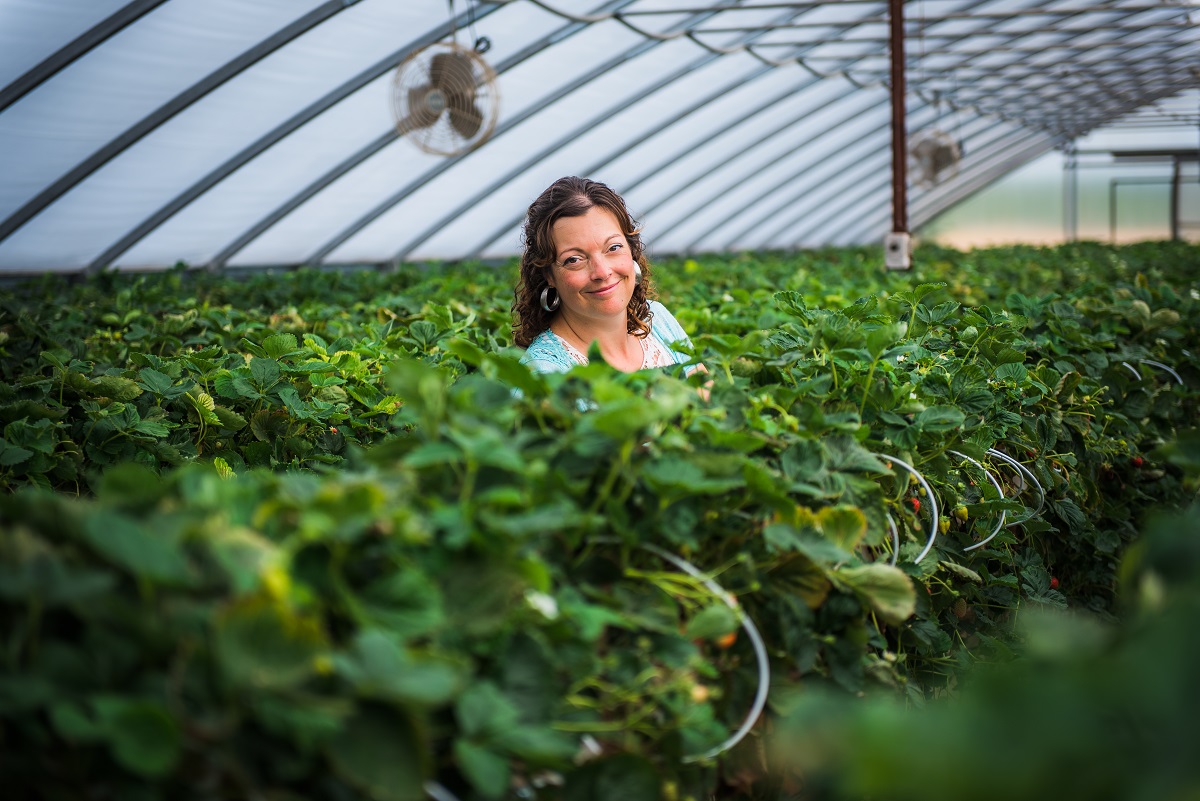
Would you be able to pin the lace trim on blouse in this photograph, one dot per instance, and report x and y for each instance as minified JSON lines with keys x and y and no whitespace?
{"x":654,"y":353}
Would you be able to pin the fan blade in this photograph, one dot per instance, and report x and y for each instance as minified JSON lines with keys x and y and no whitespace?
{"x":451,"y":72}
{"x":467,"y":121}
{"x":420,"y":115}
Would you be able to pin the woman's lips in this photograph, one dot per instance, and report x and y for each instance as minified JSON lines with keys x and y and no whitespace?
{"x":606,"y":290}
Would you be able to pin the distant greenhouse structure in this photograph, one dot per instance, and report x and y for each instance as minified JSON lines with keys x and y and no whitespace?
{"x":222,"y":133}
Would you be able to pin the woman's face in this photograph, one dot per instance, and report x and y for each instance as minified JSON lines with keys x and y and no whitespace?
{"x":593,"y":266}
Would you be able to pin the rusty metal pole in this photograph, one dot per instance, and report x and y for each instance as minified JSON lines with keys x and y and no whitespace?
{"x":897,"y":245}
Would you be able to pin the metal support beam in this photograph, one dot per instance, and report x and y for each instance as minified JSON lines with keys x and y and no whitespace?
{"x":1070,"y":192}
{"x":165,"y":112}
{"x":75,"y":49}
{"x":899,"y":132}
{"x":664,"y":164}
{"x":346,"y":165}
{"x":808,"y":140}
{"x":289,"y":126}
{"x":424,"y":179}
{"x":1176,"y":176}
{"x":554,"y":147}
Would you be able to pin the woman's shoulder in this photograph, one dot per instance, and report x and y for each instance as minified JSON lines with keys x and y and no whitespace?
{"x":665,"y":321}
{"x":546,"y":354}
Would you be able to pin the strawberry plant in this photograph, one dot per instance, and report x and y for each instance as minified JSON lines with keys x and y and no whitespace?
{"x":326,"y":531}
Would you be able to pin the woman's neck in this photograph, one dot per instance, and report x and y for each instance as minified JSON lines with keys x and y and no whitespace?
{"x":616,"y":344}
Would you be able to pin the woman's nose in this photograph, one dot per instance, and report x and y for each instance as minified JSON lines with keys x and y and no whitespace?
{"x":600,"y":267}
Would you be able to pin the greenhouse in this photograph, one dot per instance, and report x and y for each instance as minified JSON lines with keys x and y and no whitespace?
{"x":599,"y":399}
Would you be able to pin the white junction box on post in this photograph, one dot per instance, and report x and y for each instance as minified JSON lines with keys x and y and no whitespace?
{"x":897,"y":250}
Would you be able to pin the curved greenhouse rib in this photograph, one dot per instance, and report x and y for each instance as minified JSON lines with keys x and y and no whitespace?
{"x":781,"y":206}
{"x":78,"y":47}
{"x":604,"y":161}
{"x":663,"y":165}
{"x":404,"y":192}
{"x":773,"y":163}
{"x":993,"y":162}
{"x":166,"y":111}
{"x":293,"y":123}
{"x":852,"y":198}
{"x":549,"y":150}
{"x":370,"y":149}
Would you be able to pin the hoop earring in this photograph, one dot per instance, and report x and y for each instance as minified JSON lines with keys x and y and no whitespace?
{"x":546,"y":304}
{"x":637,"y":274}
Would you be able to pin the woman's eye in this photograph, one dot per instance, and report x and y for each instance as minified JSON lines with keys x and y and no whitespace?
{"x":614,"y":246}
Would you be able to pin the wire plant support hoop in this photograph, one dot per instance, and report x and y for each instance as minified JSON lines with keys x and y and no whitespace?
{"x":1158,"y":365}
{"x":1026,"y":473}
{"x":996,"y":484}
{"x":935,"y":517}
{"x":756,"y":642}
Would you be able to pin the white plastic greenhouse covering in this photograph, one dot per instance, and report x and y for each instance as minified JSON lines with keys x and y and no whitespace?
{"x":259,"y":132}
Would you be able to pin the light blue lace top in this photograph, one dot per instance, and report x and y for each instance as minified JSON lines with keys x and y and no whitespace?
{"x":549,"y":354}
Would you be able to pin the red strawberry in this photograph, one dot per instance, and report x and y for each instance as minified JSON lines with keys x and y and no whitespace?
{"x":916,"y":504}
{"x":1054,"y":582}
{"x":1138,"y":461}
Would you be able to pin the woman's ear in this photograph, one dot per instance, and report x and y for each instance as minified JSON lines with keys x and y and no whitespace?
{"x":548,"y":274}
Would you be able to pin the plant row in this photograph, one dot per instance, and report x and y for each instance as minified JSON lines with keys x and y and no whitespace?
{"x":487,"y":594}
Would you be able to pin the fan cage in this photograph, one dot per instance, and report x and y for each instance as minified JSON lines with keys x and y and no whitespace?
{"x":440,"y":138}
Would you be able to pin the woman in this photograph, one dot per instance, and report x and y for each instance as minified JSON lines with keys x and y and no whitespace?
{"x":584,"y":279}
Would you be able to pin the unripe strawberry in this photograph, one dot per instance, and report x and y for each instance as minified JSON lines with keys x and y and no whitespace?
{"x":960,"y":608}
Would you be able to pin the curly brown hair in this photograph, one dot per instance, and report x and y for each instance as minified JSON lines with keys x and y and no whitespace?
{"x":571,"y":197}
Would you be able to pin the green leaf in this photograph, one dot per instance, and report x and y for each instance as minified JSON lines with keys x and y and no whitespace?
{"x":280,"y":345}
{"x":74,"y":725}
{"x":156,"y":556}
{"x":12,"y":454}
{"x":153,"y":381}
{"x":262,"y":645}
{"x":204,"y":405}
{"x":229,"y":419}
{"x":379,"y":666}
{"x":887,"y":589}
{"x":117,"y":388}
{"x":1012,"y":371}
{"x":267,"y":425}
{"x":152,"y":428}
{"x":483,"y":711}
{"x":712,"y":622}
{"x":884,"y":337}
{"x":380,"y":751}
{"x":624,"y":777}
{"x":939,"y":418}
{"x":264,"y":372}
{"x":487,"y":771}
{"x":965,"y":572}
{"x":844,"y":525}
{"x":243,"y":555}
{"x":405,"y":602}
{"x":143,"y":736}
